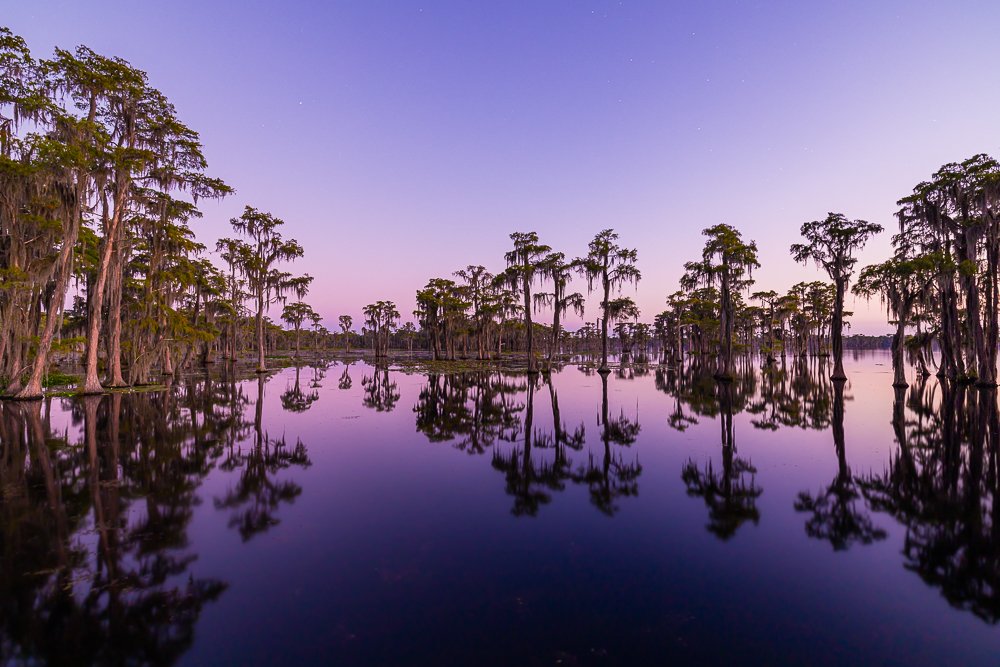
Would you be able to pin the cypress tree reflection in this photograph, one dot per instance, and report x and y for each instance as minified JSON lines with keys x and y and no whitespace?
{"x":942,"y":485}
{"x":811,"y":387}
{"x":345,"y":381}
{"x":531,"y":476}
{"x":294,"y":399}
{"x":473,"y":409}
{"x":666,"y":381}
{"x":381,"y":392}
{"x":259,"y":493}
{"x":127,"y":595}
{"x":613,"y":477}
{"x":836,"y":516}
{"x":563,"y":438}
{"x":796,"y":398}
{"x":631,"y":367}
{"x":528,"y":486}
{"x":731,"y":496}
{"x":319,"y":374}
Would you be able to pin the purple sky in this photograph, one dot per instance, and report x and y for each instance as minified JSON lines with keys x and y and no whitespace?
{"x":401,"y":141}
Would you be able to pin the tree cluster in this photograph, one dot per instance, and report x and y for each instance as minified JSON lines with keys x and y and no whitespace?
{"x":100,"y":181}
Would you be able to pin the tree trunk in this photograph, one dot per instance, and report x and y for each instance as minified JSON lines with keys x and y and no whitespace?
{"x":555,"y":330}
{"x":725,"y":371}
{"x":33,"y":388}
{"x":528,"y":325}
{"x":91,"y":382}
{"x":837,"y":330}
{"x":604,"y":323}
{"x":898,"y":370}
{"x":114,"y":376}
{"x":261,"y":368}
{"x":951,"y":356}
{"x":71,"y":233}
{"x":168,"y":363}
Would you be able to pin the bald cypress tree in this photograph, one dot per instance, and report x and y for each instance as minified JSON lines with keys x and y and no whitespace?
{"x":956,"y":215}
{"x":257,"y":260}
{"x":525,"y":265}
{"x":903,"y":283}
{"x":831,"y":243}
{"x":85,"y":141}
{"x":559,"y":272}
{"x":295,"y":314}
{"x":608,"y":266}
{"x":727,"y":262}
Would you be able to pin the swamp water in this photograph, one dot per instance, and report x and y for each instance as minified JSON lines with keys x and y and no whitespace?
{"x":354,"y":515}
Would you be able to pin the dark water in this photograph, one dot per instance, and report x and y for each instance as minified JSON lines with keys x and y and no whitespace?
{"x":351,"y":515}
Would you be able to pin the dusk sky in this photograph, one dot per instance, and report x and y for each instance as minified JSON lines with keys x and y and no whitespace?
{"x":401,"y":141}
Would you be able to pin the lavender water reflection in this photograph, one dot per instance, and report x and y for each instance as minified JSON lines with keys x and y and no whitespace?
{"x":254,"y":501}
{"x":658,"y":472}
{"x":730,"y":494}
{"x":470,"y":410}
{"x":837,"y":515}
{"x":941,"y":484}
{"x":96,"y":557}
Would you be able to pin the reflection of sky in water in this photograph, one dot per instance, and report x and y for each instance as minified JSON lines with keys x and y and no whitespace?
{"x":404,"y":550}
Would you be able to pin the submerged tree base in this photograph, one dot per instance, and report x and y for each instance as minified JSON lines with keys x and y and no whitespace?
{"x":23,"y":397}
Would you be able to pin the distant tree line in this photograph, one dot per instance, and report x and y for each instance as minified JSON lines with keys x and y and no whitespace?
{"x":480,"y":312}
{"x":100,"y":183}
{"x":939,"y":288}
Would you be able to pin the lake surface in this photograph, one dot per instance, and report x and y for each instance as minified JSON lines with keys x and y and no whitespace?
{"x":361,"y":516}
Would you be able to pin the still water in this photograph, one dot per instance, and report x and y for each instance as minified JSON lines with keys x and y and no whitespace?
{"x":353,"y":515}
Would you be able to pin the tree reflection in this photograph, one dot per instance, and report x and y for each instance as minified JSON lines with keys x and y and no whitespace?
{"x":472,"y":409}
{"x":95,"y":555}
{"x":836,"y":515}
{"x":530,"y":488}
{"x":941,"y":485}
{"x":531,"y":475}
{"x":613,"y":477}
{"x":475,"y":411}
{"x":799,"y":397}
{"x":344,"y":382}
{"x":381,"y":392}
{"x":678,"y":419}
{"x":319,"y":370}
{"x":294,"y":399}
{"x":730,"y":494}
{"x":259,"y":492}
{"x":564,"y":438}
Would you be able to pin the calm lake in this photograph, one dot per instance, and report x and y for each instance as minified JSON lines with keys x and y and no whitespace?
{"x":362,"y":516}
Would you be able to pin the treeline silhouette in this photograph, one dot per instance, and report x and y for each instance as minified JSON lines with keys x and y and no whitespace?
{"x":939,"y":288}
{"x":100,"y":182}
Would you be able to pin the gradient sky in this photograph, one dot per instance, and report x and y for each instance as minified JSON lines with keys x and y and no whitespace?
{"x":402,"y":140}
